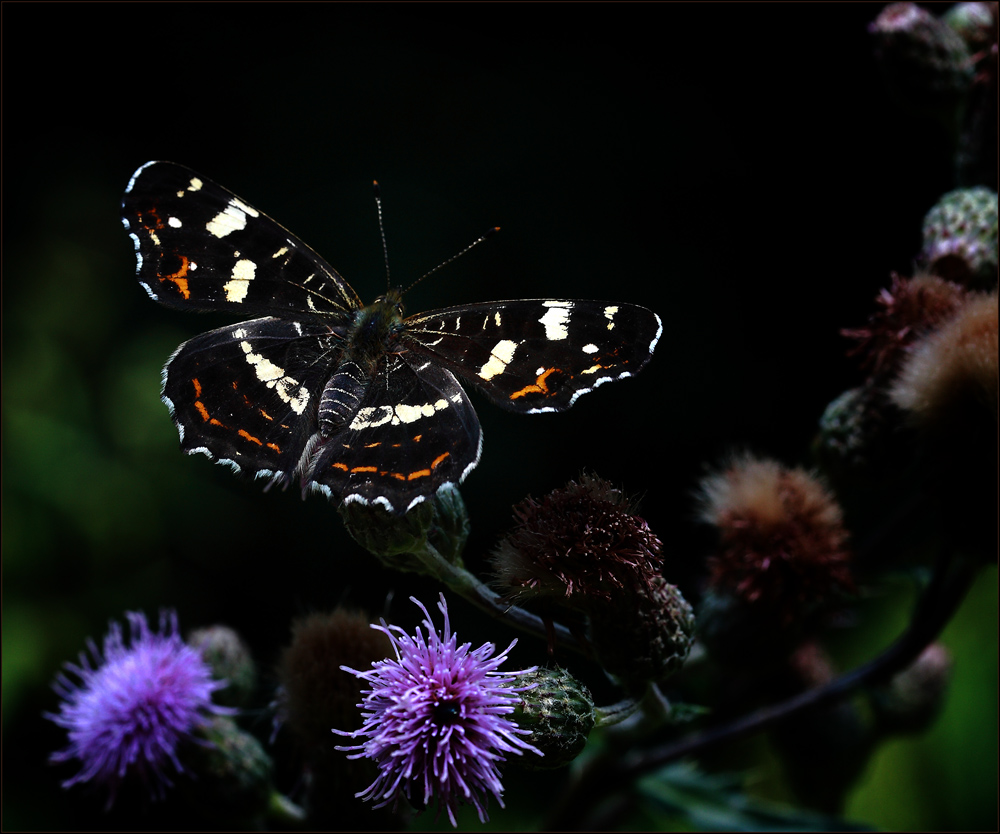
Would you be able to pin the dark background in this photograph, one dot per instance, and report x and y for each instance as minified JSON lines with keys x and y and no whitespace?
{"x":738,"y":169}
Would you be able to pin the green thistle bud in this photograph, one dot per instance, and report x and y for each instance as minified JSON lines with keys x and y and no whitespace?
{"x":845,"y":430}
{"x":442,"y":523}
{"x":450,"y":530}
{"x":973,"y":22}
{"x":389,"y":537}
{"x":559,"y":711}
{"x":960,"y":237}
{"x":232,"y":774}
{"x":925,"y":62}
{"x":643,"y":636}
{"x":230,"y":660}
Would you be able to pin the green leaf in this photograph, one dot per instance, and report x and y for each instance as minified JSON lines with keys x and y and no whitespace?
{"x":717,"y":802}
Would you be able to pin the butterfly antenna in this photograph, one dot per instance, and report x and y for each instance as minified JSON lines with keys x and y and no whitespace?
{"x":456,"y":256}
{"x":381,"y":231}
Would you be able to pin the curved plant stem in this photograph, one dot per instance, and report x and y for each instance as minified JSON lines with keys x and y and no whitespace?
{"x":473,"y":589}
{"x":284,"y":813}
{"x":606,"y":774}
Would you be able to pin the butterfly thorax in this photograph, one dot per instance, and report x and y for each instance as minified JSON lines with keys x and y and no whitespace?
{"x":372,"y":335}
{"x":374,"y":328}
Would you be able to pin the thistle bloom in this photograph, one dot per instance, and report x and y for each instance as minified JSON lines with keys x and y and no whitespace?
{"x":130,"y":712}
{"x":436,"y":719}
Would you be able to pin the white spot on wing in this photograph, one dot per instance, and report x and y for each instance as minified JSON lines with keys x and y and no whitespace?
{"x":367,"y":418}
{"x":555,"y":320}
{"x":238,"y":285}
{"x":500,"y":356}
{"x":231,"y":219}
{"x":274,"y":377}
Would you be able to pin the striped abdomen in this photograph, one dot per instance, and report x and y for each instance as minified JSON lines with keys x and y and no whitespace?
{"x":342,"y":397}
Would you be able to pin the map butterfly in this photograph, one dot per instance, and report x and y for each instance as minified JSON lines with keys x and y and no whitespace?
{"x":353,"y":400}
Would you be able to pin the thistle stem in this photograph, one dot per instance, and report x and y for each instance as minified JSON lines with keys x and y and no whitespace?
{"x":474,"y":590}
{"x":282,"y":811}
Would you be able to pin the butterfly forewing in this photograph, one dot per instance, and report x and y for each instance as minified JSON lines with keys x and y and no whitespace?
{"x":200,"y":247}
{"x":537,"y":355}
{"x":354,"y":401}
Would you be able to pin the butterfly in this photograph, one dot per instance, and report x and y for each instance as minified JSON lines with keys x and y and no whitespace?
{"x":357,"y":401}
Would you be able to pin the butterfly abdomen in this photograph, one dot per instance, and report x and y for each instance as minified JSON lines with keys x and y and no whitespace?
{"x":342,"y":396}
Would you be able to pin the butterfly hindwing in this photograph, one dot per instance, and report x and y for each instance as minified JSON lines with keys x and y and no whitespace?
{"x":200,"y":247}
{"x":246,"y":393}
{"x":415,"y":431}
{"x":537,"y":355}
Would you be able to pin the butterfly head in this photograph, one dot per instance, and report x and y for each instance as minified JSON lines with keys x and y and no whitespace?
{"x":377,"y":325}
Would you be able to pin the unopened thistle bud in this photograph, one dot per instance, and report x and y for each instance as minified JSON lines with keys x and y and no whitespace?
{"x":782,"y":543}
{"x":644,"y":636}
{"x":974,"y":23}
{"x":234,"y":774}
{"x":824,"y":749}
{"x":960,"y":237}
{"x":913,"y":699}
{"x":230,"y":660}
{"x":925,"y":62}
{"x":441,"y":522}
{"x":559,"y":712}
{"x":908,"y":309}
{"x":316,"y":693}
{"x":848,"y":429}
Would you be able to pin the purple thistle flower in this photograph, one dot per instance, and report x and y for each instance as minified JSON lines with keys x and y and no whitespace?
{"x":131,"y":711}
{"x":435,"y":719}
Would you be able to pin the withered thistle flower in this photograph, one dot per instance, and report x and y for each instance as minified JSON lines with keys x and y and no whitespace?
{"x":579,"y":545}
{"x":783,"y":546}
{"x":437,"y":720}
{"x":954,"y":367}
{"x":909,"y":308}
